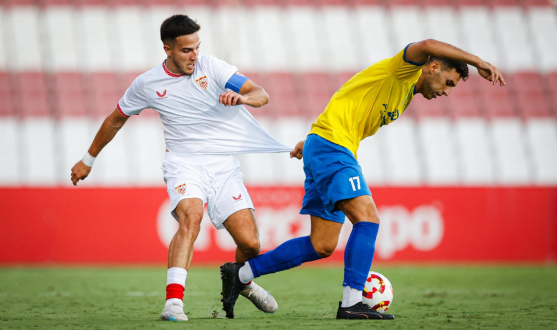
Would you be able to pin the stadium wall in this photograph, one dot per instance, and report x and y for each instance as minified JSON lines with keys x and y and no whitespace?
{"x":133,"y":225}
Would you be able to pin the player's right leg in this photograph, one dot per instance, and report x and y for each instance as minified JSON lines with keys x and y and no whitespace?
{"x":358,"y":256}
{"x":180,"y":252}
{"x":187,"y":193}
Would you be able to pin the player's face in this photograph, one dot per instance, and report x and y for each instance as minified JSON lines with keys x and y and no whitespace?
{"x":440,"y":83}
{"x":184,"y":53}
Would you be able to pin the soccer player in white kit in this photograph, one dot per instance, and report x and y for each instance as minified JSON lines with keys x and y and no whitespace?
{"x":199,"y":99}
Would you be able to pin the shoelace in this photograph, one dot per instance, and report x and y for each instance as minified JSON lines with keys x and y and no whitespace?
{"x":368,"y":307}
{"x":176,"y":306}
{"x":258,"y":293}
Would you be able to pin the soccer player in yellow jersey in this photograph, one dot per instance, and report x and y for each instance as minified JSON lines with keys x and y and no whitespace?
{"x":335,"y":187}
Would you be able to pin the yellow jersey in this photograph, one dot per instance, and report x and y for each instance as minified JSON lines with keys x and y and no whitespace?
{"x":374,"y":97}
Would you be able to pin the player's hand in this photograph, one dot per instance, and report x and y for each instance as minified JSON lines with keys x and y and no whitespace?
{"x":231,"y":98}
{"x":490,"y":73}
{"x":298,"y":150}
{"x":79,"y":172}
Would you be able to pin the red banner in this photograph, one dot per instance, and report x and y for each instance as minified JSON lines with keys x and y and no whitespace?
{"x":134,"y":225}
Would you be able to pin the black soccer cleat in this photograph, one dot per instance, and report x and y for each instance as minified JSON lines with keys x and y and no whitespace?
{"x":361,"y":311}
{"x":231,"y":286}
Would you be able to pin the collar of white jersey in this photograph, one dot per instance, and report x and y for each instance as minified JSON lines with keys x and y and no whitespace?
{"x":168,"y":71}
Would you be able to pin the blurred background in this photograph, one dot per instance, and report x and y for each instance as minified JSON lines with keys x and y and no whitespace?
{"x":467,"y":178}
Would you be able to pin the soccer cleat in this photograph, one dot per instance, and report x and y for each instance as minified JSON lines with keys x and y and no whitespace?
{"x":361,"y":311}
{"x":174,"y":312}
{"x":260,"y":298}
{"x":231,"y":286}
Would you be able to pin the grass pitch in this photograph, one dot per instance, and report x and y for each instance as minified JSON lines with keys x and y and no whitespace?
{"x":132,"y":298}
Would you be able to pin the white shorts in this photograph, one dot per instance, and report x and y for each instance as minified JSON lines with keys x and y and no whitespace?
{"x":215,"y":179}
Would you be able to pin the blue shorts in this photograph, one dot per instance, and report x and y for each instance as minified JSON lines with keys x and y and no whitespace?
{"x":332,"y":174}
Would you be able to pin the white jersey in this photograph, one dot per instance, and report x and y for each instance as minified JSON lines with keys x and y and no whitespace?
{"x":194,"y":122}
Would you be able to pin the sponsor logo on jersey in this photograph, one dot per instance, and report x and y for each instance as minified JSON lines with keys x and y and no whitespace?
{"x":181,"y":189}
{"x":163,"y":95}
{"x":237,"y":199}
{"x":203,"y":82}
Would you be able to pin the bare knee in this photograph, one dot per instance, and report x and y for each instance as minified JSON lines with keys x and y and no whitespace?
{"x":325,"y":250}
{"x":359,"y":209}
{"x":189,"y":224}
{"x":364,"y":214}
{"x":371,"y":217}
{"x":250,"y":248}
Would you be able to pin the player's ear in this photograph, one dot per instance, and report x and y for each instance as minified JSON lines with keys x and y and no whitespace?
{"x":434,"y":67}
{"x":167,"y":49}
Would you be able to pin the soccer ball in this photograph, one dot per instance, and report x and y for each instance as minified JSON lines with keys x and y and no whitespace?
{"x":378,"y":292}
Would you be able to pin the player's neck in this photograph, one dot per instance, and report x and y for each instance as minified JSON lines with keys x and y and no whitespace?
{"x":171,"y":67}
{"x":420,"y":83}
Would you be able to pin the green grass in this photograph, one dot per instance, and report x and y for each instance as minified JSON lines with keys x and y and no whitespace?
{"x":132,"y":298}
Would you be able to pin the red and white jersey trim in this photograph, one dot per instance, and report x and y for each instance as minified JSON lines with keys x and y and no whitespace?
{"x":121,"y":112}
{"x":168,"y":72}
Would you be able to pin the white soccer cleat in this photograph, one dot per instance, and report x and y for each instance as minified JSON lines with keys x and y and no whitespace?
{"x":174,"y":312}
{"x":262,"y":299}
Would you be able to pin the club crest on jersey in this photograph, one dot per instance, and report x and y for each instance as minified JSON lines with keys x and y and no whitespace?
{"x":203,"y":82}
{"x":181,"y":189}
{"x":162,"y":95}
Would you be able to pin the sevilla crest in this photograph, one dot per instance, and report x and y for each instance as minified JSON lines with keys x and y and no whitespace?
{"x":181,"y":189}
{"x":203,"y":82}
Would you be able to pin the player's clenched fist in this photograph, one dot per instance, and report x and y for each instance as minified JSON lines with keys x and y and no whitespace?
{"x":298,"y":150}
{"x":79,"y":172}
{"x":231,"y":98}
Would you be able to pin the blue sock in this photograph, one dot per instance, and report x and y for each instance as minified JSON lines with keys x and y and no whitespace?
{"x":358,"y":254}
{"x":288,"y":255}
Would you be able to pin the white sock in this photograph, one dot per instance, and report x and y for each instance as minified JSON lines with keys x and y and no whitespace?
{"x":246,"y":274}
{"x":176,"y":275}
{"x":350,"y":297}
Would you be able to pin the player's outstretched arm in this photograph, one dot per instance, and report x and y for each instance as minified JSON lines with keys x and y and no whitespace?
{"x":298,"y":150}
{"x":106,"y":133}
{"x":249,"y":94}
{"x":420,"y":52}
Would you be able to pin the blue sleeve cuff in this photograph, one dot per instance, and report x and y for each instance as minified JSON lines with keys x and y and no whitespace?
{"x":410,"y":62}
{"x":236,"y":82}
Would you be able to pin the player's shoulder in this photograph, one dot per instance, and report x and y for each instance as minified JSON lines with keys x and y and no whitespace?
{"x":151,"y":74}
{"x":206,"y":61}
{"x":211,"y":62}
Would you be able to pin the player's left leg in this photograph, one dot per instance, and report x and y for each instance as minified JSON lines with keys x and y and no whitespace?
{"x":243,"y":228}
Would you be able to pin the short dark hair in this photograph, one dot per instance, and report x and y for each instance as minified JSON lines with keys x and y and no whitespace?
{"x":177,"y":25}
{"x":446,"y":64}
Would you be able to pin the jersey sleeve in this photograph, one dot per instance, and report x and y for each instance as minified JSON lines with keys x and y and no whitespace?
{"x":221,"y":71}
{"x":134,"y":100}
{"x":403,"y":69}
